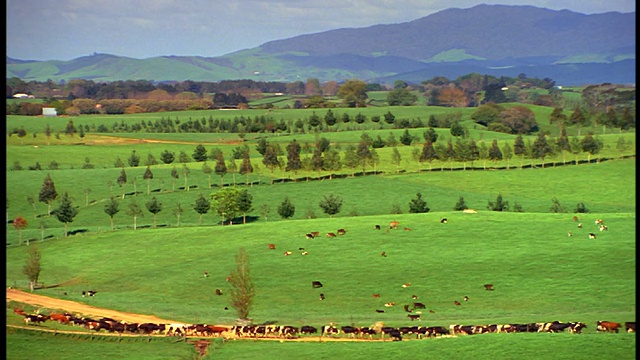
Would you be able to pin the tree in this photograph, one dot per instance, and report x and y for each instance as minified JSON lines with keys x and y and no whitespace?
{"x":19,"y":224}
{"x":201,"y":206}
{"x":557,"y":116}
{"x":474,"y":152}
{"x":206,"y":169}
{"x":364,"y":154}
{"x":431,"y":135}
{"x":185,"y":173}
{"x":457,"y":129}
{"x":286,"y":209}
{"x":556,"y":207}
{"x":590,"y":145}
{"x":389,"y":118}
{"x":167,"y":157}
{"x":232,"y":168}
{"x":245,"y":204}
{"x":519,"y":149}
{"x":293,"y":158}
{"x":70,"y":130}
{"x":428,"y":153}
{"x":242,"y":288}
{"x":66,"y":211}
{"x":47,"y":133}
{"x":151,"y":160}
{"x":418,"y":205}
{"x":498,"y":205}
{"x":396,"y":159}
{"x":134,"y":211}
{"x":330,"y":119}
{"x":495,"y":154}
{"x":134,"y":159}
{"x":48,"y":193}
{"x":401,"y":97}
{"x":225,"y":203}
{"x":406,"y":138}
{"x":118,"y":163}
{"x":200,"y":153}
{"x":351,"y":160}
{"x":122,"y":180}
{"x":270,"y":159}
{"x":264,"y":211}
{"x":577,"y":118}
{"x":541,"y":147}
{"x":460,"y":205}
{"x":353,"y":93}
{"x":174,"y":177}
{"x":245,"y":167}
{"x":154,"y":207}
{"x":177,"y":212}
{"x":148,"y":175}
{"x":562,"y":143}
{"x":111,"y":209}
{"x":507,"y":153}
{"x":331,"y":204}
{"x":33,"y":267}
{"x":581,"y":208}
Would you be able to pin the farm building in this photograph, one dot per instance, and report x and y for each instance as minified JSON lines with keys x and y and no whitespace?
{"x":49,"y":111}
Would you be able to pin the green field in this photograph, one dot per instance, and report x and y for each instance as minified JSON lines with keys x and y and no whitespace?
{"x":539,"y":273}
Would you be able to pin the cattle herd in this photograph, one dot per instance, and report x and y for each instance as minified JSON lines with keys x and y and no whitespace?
{"x":378,"y":330}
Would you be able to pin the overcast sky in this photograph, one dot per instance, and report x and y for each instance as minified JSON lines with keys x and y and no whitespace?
{"x":140,"y":29}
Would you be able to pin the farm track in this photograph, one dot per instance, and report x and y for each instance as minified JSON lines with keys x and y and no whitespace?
{"x":88,"y":310}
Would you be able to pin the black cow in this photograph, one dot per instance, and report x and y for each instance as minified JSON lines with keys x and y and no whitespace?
{"x":576,"y":327}
{"x":437,"y":331}
{"x":89,"y":293}
{"x":414,"y":317}
{"x":367,"y":331}
{"x":218,"y":292}
{"x":148,"y":328}
{"x":592,"y":236}
{"x":557,"y":327}
{"x":330,"y":330}
{"x":306,"y":329}
{"x":377,"y":227}
{"x":351,"y":331}
{"x":35,"y":318}
{"x":461,"y":329}
{"x":443,"y":220}
{"x":629,"y":326}
{"x":316,"y":284}
{"x":396,"y":335}
{"x":418,"y":305}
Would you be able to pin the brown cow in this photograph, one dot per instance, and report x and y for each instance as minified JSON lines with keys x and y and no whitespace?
{"x":488,"y":286}
{"x":62,"y":319}
{"x":19,"y":311}
{"x":315,"y":233}
{"x":393,"y":225}
{"x":407,"y":229}
{"x":271,"y":246}
{"x":413,"y":317}
{"x":457,"y":302}
{"x":331,"y":235}
{"x":608,"y":326}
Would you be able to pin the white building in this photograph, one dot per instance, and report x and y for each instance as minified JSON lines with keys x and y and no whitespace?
{"x":48,"y":111}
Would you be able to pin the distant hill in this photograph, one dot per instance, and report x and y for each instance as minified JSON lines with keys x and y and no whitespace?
{"x":568,"y":47}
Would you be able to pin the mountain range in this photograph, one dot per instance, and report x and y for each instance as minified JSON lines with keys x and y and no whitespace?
{"x":570,"y":48}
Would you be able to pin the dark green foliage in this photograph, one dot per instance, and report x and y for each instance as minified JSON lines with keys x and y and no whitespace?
{"x":494,"y":152}
{"x":242,"y":290}
{"x":33,"y":267}
{"x":330,"y":119}
{"x":111,"y":209}
{"x":493,"y":93}
{"x":201,"y":206}
{"x":331,"y":204}
{"x":581,"y":208}
{"x":48,"y":193}
{"x":245,"y":203}
{"x":401,"y":97}
{"x":200,"y":153}
{"x":183,"y":157}
{"x":261,"y":146}
{"x":134,"y":159}
{"x":431,"y":135}
{"x":418,"y":205}
{"x":221,"y":168}
{"x":406,"y":138}
{"x":154,"y":207}
{"x":378,"y":143}
{"x":293,"y":157}
{"x":517,"y":207}
{"x":590,"y":145}
{"x":389,"y":118}
{"x":66,"y":212}
{"x":314,"y":121}
{"x":286,"y":209}
{"x":556,"y":207}
{"x":167,"y":157}
{"x":460,"y":205}
{"x":541,"y":147}
{"x":498,"y":205}
{"x":457,"y":129}
{"x":428,"y":152}
{"x":118,"y":163}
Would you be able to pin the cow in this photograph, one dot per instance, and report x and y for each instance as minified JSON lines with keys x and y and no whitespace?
{"x":461,"y":329}
{"x":149,"y":328}
{"x":217,"y":330}
{"x":377,"y":227}
{"x":443,"y":221}
{"x":304,"y":253}
{"x":341,"y":231}
{"x":592,"y":236}
{"x":384,"y":254}
{"x":206,"y":274}
{"x":306,"y":329}
{"x":376,"y":295}
{"x":457,"y":302}
{"x":433,"y":331}
{"x":629,"y":326}
{"x":379,"y":311}
{"x":576,"y":327}
{"x":388,"y":330}
{"x":350,"y":331}
{"x":569,"y":234}
{"x":432,"y":311}
{"x":414,"y":297}
{"x":367,"y":331}
{"x":466,"y":298}
{"x":330,"y":330}
{"x":407,"y":229}
{"x":315,"y":233}
{"x":557,"y":327}
{"x":603,"y":228}
{"x":393,"y":225}
{"x":413,"y":316}
{"x":389,"y":304}
{"x":331,"y":235}
{"x":35,"y":318}
{"x":406,"y":285}
{"x":488,"y":287}
{"x":406,"y":308}
{"x":309,"y":236}
{"x":288,"y":332}
{"x":316,"y":284}
{"x":60,"y":318}
{"x":271,"y":246}
{"x":19,"y":311}
{"x":218,"y":292}
{"x":199,"y":330}
{"x":89,"y":293}
{"x":608,"y":326}
{"x":580,"y":226}
{"x":417,"y":305}
{"x":321,"y":296}
{"x":575,"y":218}
{"x":599,"y":222}
{"x":287,"y":253}
{"x":480,"y":329}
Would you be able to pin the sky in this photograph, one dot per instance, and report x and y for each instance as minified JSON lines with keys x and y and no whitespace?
{"x":140,"y":29}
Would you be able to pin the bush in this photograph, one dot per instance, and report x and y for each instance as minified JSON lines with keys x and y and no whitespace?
{"x":580,"y":208}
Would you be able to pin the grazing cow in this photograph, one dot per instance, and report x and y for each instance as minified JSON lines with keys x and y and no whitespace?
{"x":62,"y":319}
{"x":413,"y":316}
{"x":341,"y":231}
{"x":376,"y":295}
{"x":176,"y":329}
{"x":35,"y":318}
{"x":387,"y":330}
{"x":488,"y":286}
{"x":377,"y":227}
{"x":580,"y":226}
{"x":306,"y":329}
{"x":393,"y":225}
{"x":316,"y":284}
{"x":384,"y":254}
{"x":218,"y":292}
{"x":414,"y":297}
{"x":217,"y":330}
{"x":148,"y":328}
{"x":406,"y":308}
{"x":321,"y":296}
{"x":351,"y":331}
{"x":461,"y":329}
{"x":206,"y":274}
{"x":379,"y":311}
{"x":466,"y":298}
{"x":417,"y":305}
{"x":436,"y":331}
{"x":569,"y":234}
{"x":443,"y":221}
{"x":557,"y":327}
{"x":330,"y":330}
{"x":331,"y":235}
{"x":592,"y":236}
{"x":407,"y":229}
{"x":608,"y":326}
{"x":457,"y":302}
{"x":603,"y":227}
{"x":287,"y":253}
{"x":629,"y":326}
{"x":599,"y":222}
{"x":88,"y":293}
{"x":432,"y":311}
{"x":389,"y":304}
{"x":309,"y":236}
{"x":315,"y":233}
{"x":19,"y":311}
{"x":406,"y":285}
{"x":575,"y":218}
{"x":367,"y":331}
{"x":271,"y":246}
{"x":304,"y":253}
